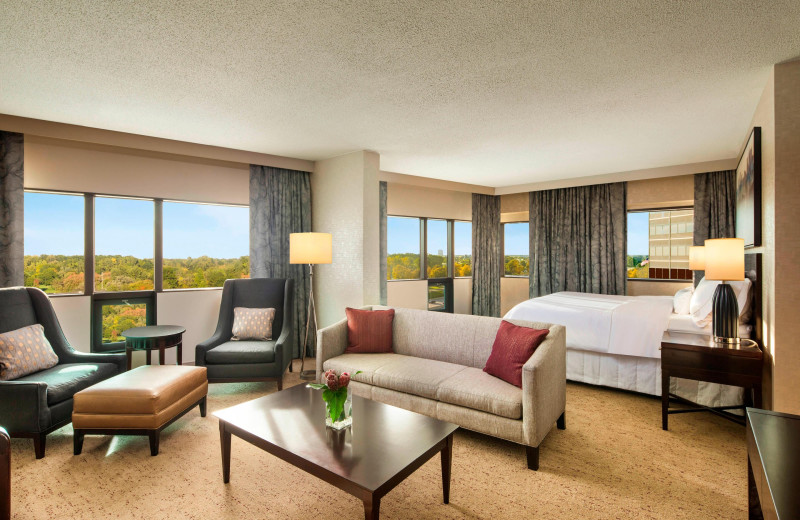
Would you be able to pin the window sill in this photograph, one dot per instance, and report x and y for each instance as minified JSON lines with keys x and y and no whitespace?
{"x":192,"y":289}
{"x":658,"y":280}
{"x":515,"y":276}
{"x":65,"y":295}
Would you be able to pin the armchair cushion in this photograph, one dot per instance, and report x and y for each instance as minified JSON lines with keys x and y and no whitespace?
{"x":241,"y":352}
{"x":252,"y":324}
{"x":63,"y":381}
{"x":25,"y":351}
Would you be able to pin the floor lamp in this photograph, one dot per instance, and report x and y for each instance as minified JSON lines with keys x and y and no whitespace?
{"x":311,"y":249}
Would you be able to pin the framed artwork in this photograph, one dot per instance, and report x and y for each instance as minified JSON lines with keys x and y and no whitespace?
{"x":748,"y":191}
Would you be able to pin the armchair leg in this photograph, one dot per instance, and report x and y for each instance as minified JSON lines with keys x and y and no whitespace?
{"x":532,"y":453}
{"x":561,"y":424}
{"x":39,"y":442}
{"x":280,"y":383}
{"x":291,"y":366}
{"x":203,"y":406}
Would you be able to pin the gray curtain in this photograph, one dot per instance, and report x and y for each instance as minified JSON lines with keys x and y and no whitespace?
{"x":714,"y":208}
{"x":383,"y":246}
{"x":577,"y":240}
{"x":280,"y":204}
{"x":12,"y":201}
{"x":486,"y":261}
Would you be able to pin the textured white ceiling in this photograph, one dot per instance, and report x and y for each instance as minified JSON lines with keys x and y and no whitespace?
{"x":493,"y":93}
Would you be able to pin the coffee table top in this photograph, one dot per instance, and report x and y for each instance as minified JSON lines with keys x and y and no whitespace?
{"x":153,"y":331}
{"x":382,"y":441}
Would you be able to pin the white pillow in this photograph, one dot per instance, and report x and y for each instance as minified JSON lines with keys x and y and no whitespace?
{"x":702,"y":299}
{"x":681,"y":301}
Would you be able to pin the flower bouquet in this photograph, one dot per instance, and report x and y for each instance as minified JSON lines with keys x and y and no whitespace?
{"x":338,"y":399}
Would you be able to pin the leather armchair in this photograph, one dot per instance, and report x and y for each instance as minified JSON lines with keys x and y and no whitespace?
{"x":236,"y":361}
{"x":38,"y":404}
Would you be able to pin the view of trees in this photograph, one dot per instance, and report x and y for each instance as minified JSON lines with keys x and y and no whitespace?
{"x":188,"y":273}
{"x":119,"y":318}
{"x":55,"y":274}
{"x":638,"y":266}
{"x":405,"y":266}
{"x":516,"y":265}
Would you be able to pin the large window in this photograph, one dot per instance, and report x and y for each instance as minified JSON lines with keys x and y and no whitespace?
{"x":462,"y":248}
{"x":437,"y":250}
{"x":124,"y":241}
{"x":54,"y":256}
{"x":658,"y":244}
{"x":403,"y":248}
{"x":516,"y":258}
{"x":204,"y":245}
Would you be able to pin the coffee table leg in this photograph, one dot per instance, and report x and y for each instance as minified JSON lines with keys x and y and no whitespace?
{"x":447,"y":464}
{"x":225,"y":443}
{"x":128,"y":356}
{"x":372,"y":508}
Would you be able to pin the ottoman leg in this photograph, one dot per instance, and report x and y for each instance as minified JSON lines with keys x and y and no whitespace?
{"x":203,"y":406}
{"x":154,"y":437}
{"x":77,"y":442}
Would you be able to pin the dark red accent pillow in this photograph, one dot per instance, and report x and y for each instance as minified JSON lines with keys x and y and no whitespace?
{"x":369,"y":331}
{"x":513,"y":346}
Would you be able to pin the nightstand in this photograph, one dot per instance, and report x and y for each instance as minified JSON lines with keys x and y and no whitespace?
{"x":698,"y":357}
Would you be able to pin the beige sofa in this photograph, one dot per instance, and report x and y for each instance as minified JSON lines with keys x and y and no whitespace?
{"x":437,"y":370}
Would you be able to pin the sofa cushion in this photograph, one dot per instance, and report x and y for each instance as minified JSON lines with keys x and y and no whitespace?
{"x":369,"y":331}
{"x":474,"y":388}
{"x":414,"y":375}
{"x":64,"y":381}
{"x":242,"y":352}
{"x":513,"y":346}
{"x":25,"y":351}
{"x":368,"y":364}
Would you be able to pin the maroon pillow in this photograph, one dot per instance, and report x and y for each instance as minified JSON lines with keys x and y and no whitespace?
{"x":513,"y":346}
{"x":369,"y":331}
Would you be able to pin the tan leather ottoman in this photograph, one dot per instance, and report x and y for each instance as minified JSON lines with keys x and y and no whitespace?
{"x":142,"y":401}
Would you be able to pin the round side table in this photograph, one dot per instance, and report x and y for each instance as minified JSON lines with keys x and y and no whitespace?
{"x":154,"y":337}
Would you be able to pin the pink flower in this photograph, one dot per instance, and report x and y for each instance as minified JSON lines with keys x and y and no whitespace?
{"x":332,"y":381}
{"x":344,"y":379}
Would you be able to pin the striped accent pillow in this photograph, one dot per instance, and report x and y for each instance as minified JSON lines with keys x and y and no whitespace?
{"x":255,"y":324}
{"x":25,"y":351}
{"x":369,"y":331}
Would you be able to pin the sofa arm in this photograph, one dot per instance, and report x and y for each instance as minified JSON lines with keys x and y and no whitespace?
{"x":331,"y":342}
{"x":73,"y":356}
{"x":544,"y":386}
{"x":23,"y":406}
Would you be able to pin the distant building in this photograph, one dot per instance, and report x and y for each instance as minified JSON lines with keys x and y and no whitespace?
{"x":671,"y":235}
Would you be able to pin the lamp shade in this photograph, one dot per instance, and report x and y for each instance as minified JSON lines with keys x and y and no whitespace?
{"x":310,"y":248}
{"x":725,"y":259}
{"x":697,"y":258}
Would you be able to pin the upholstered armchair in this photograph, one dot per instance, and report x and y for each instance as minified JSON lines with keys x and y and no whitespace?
{"x":38,"y":404}
{"x":236,"y":361}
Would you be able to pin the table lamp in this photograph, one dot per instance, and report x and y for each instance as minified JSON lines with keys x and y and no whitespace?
{"x":697,"y":258}
{"x":310,"y":248}
{"x":724,"y":261}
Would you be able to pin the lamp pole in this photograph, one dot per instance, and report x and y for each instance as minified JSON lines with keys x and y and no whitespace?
{"x":309,"y":375}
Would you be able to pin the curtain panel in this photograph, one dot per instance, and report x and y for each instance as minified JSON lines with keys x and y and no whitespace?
{"x":280,"y":204}
{"x":578,"y":239}
{"x":714,"y":208}
{"x":384,"y":286}
{"x":486,"y":255}
{"x":12,"y":201}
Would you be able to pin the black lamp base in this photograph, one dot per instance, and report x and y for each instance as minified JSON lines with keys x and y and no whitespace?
{"x":725,"y":315}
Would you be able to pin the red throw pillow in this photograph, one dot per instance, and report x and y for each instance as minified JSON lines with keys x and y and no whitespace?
{"x":513,"y":346}
{"x":369,"y":331}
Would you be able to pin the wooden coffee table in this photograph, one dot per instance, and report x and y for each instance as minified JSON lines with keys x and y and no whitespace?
{"x":384,"y":445}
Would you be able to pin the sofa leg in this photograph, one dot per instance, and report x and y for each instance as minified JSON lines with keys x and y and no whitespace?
{"x":533,"y":457}
{"x":203,"y":406}
{"x":39,"y":442}
{"x":77,"y":442}
{"x":561,"y":424}
{"x":154,"y":438}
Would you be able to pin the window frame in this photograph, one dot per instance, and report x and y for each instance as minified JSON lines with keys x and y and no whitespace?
{"x":503,"y":250}
{"x":650,"y":210}
{"x":423,"y":244}
{"x":148,"y":298}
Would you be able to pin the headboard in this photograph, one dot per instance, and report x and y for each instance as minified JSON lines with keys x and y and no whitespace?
{"x":752,"y":271}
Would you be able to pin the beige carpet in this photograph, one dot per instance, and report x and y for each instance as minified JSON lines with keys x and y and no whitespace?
{"x":613,"y":461}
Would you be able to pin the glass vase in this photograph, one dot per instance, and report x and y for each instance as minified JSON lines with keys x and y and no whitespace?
{"x":345,"y":418}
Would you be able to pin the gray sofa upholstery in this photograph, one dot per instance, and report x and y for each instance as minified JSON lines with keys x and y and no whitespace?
{"x":232,"y":361}
{"x":437,"y":370}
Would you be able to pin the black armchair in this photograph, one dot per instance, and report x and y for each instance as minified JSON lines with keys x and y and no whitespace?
{"x":236,"y":361}
{"x":38,"y":404}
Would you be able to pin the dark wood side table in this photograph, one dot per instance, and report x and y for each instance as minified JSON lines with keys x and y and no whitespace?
{"x":698,"y":357}
{"x":154,"y":337}
{"x":773,"y":464}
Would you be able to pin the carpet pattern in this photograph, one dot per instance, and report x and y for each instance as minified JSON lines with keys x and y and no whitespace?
{"x":613,"y":461}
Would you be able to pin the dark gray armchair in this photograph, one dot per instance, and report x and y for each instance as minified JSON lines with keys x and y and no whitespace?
{"x":38,"y":404}
{"x":235,"y":361}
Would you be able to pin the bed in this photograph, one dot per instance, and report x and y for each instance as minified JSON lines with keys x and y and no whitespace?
{"x":614,"y":340}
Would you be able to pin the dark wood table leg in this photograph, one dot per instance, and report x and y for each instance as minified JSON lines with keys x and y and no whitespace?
{"x":447,"y":465}
{"x":129,"y":356}
{"x":5,"y":475}
{"x":161,"y":352}
{"x":149,"y":356}
{"x":225,"y":444}
{"x":372,"y":508}
{"x":180,"y":353}
{"x":757,"y":399}
{"x":664,"y":400}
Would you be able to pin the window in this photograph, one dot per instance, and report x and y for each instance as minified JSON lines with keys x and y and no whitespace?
{"x":204,"y":244}
{"x":124,"y":244}
{"x":437,"y":249}
{"x":53,"y":234}
{"x":112,"y":317}
{"x":658,"y":244}
{"x":403,"y":248}
{"x":516,"y":259}
{"x":462,"y":248}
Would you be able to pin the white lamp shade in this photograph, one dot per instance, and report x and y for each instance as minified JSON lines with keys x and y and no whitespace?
{"x":697,"y":258}
{"x":725,"y":259}
{"x":310,"y":248}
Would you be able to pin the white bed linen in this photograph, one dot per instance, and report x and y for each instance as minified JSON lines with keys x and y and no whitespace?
{"x":685,"y":323}
{"x":624,"y":325}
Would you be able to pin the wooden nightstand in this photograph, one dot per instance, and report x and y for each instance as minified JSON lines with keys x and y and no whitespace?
{"x":698,"y":357}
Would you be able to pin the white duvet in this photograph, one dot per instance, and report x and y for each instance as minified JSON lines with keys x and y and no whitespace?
{"x":624,"y":325}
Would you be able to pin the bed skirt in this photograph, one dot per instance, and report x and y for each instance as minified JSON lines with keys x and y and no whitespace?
{"x":643,"y":375}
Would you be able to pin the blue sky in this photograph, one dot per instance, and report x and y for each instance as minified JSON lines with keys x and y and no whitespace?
{"x":638,"y":233}
{"x":403,"y":237}
{"x":54,"y":225}
{"x":516,"y":240}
